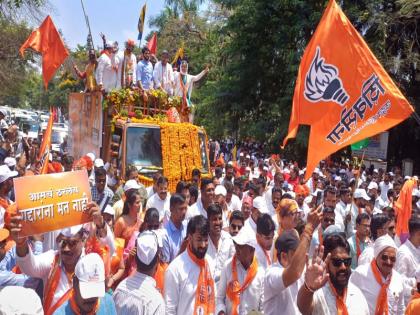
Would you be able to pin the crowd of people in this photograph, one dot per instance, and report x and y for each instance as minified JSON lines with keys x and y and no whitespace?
{"x":255,"y":237}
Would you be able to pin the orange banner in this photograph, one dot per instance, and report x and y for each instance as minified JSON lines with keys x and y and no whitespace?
{"x":51,"y":202}
{"x":342,"y":91}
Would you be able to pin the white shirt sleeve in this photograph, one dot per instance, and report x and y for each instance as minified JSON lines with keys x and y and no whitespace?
{"x":100,"y":71}
{"x":134,"y":61}
{"x":156,"y":75}
{"x":221,"y":291}
{"x":274,"y":280}
{"x":198,"y":77}
{"x":138,"y":71}
{"x":171,"y":292}
{"x":37,"y":266}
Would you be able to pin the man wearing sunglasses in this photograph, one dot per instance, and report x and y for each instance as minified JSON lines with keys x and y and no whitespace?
{"x":326,"y":289}
{"x":381,"y":285}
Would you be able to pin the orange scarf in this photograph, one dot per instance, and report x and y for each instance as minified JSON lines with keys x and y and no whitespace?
{"x":340,"y":300}
{"x":160,"y":276}
{"x":184,"y":88}
{"x":51,"y":287}
{"x":75,"y":308}
{"x":382,"y":299}
{"x":204,"y":295}
{"x":234,"y":289}
{"x":320,"y":237}
{"x":267,"y":256}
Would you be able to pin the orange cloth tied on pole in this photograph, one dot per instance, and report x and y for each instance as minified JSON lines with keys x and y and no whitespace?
{"x":47,"y":41}
{"x":44,"y":151}
{"x":342,"y":91}
{"x":404,"y":207}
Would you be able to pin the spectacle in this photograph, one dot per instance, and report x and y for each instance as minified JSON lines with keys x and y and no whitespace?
{"x":70,"y":243}
{"x":337,"y":262}
{"x":391,"y":258}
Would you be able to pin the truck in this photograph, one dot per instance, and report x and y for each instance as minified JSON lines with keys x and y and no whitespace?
{"x":127,"y":128}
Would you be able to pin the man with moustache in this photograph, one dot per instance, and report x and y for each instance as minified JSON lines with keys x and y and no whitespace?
{"x":144,"y":72}
{"x":381,"y":285}
{"x":189,"y":284}
{"x":205,"y":199}
{"x":326,"y":289}
{"x":163,"y":75}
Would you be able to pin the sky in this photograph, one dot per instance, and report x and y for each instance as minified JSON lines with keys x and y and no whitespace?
{"x":116,"y":19}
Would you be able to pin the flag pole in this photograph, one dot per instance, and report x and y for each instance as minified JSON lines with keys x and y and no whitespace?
{"x":90,"y":38}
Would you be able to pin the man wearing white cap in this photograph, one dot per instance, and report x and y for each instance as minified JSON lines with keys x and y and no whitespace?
{"x":386,"y":185}
{"x":137,"y":294}
{"x":258,"y":208}
{"x":106,"y":76}
{"x":189,"y":284}
{"x":373,"y":194}
{"x":220,"y":193}
{"x":381,"y":285}
{"x":53,"y":266}
{"x":88,"y":293}
{"x":6,"y":185}
{"x":360,"y":200}
{"x":10,"y":162}
{"x":241,"y":287}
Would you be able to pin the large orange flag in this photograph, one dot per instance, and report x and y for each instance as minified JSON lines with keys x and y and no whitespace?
{"x":47,"y":41}
{"x":342,"y":91}
{"x":404,"y":207}
{"x":44,"y":150}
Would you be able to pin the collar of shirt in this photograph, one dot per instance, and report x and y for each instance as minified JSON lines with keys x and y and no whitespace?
{"x":173,"y":228}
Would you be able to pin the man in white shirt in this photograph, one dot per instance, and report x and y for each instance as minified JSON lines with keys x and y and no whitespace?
{"x":272,"y":205}
{"x":190,"y":272}
{"x":241,"y":287}
{"x":360,"y":240}
{"x":233,"y":202}
{"x":105,"y":73}
{"x":220,"y":244}
{"x":408,"y":257}
{"x":302,"y":192}
{"x":160,"y":200}
{"x":163,"y":75}
{"x":284,"y":277}
{"x":205,"y":199}
{"x":343,"y":206}
{"x":137,"y":294}
{"x":127,"y":64}
{"x":373,"y":193}
{"x":153,"y":189}
{"x":380,"y":284}
{"x":385,"y":185}
{"x":265,"y":237}
{"x":258,"y":208}
{"x":236,"y":222}
{"x":326,"y":289}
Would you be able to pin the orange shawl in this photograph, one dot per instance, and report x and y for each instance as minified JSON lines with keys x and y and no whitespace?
{"x":382,"y":299}
{"x":340,"y":300}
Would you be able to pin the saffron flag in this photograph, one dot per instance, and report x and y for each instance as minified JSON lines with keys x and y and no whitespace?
{"x":152,"y":44}
{"x":178,"y":57}
{"x":47,"y":41}
{"x":44,"y":150}
{"x":140,"y":24}
{"x":342,"y":91}
{"x":404,"y":208}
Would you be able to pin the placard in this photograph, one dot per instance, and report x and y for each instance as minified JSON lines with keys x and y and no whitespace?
{"x":52,"y":201}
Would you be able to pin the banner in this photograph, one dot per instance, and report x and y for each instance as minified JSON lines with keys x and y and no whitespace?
{"x":342,"y":91}
{"x":376,"y":148}
{"x":51,"y":202}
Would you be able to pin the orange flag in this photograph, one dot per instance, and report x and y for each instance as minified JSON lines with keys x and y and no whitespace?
{"x":47,"y":41}
{"x":404,"y":206}
{"x":342,"y":91}
{"x":152,"y":44}
{"x":44,"y":150}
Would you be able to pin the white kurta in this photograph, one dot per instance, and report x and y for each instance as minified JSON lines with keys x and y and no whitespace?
{"x":217,"y":257}
{"x":251,"y":299}
{"x":131,"y":63}
{"x":190,"y":82}
{"x":105,"y":73}
{"x":163,"y":76}
{"x":161,"y":205}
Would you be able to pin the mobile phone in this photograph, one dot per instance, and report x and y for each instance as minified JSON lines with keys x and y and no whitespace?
{"x":318,"y":199}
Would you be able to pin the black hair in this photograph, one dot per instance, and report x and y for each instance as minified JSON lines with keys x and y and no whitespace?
{"x":414,"y":223}
{"x":129,"y":169}
{"x":238,"y":182}
{"x":344,"y":190}
{"x":378,"y":221}
{"x":390,"y":192}
{"x":261,"y":181}
{"x":331,"y":242}
{"x":218,"y":172}
{"x":100,"y":171}
{"x":144,"y":49}
{"x":276,"y":190}
{"x":176,"y":199}
{"x":362,"y":216}
{"x":193,"y":192}
{"x":331,"y":190}
{"x":328,"y":210}
{"x":151,"y":214}
{"x":198,"y":224}
{"x":214,"y":209}
{"x":204,"y":183}
{"x":131,"y":198}
{"x":265,"y":225}
{"x":181,"y":186}
{"x":253,"y":187}
{"x":67,"y":159}
{"x":196,"y":172}
{"x":156,"y":176}
{"x":237,"y":215}
{"x":162,"y":180}
{"x":229,"y":186}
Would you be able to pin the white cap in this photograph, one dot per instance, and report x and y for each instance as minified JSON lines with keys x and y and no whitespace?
{"x":361,"y":193}
{"x":20,"y":301}
{"x":6,"y":173}
{"x":230,"y":163}
{"x":10,"y":161}
{"x":131,"y":184}
{"x":391,"y":174}
{"x":406,"y":177}
{"x":90,"y":270}
{"x":372,"y":185}
{"x":241,"y":154}
{"x":91,"y":156}
{"x":247,"y":156}
{"x":382,"y":243}
{"x":265,"y":168}
{"x":337,"y":178}
{"x":71,"y":231}
{"x":109,"y":210}
{"x":99,"y":163}
{"x":416,"y":193}
{"x":316,"y":192}
{"x":248,"y":169}
{"x":147,"y":246}
{"x":301,"y":172}
{"x":375,"y":170}
{"x":220,"y":190}
{"x":260,"y":204}
{"x":3,"y":111}
{"x":316,"y":170}
{"x":245,"y":237}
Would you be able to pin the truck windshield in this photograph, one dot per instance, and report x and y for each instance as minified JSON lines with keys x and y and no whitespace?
{"x":143,"y":146}
{"x":203,"y":151}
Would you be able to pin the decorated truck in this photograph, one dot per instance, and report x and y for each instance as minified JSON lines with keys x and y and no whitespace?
{"x":128,"y":128}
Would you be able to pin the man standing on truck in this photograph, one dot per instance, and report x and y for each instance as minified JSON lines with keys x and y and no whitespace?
{"x":163,"y":74}
{"x":126,"y":75}
{"x":105,"y":73}
{"x":144,"y":71}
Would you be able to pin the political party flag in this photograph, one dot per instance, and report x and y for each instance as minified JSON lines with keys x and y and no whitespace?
{"x":140,"y":24}
{"x":360,"y":144}
{"x":152,"y":44}
{"x":178,"y":57}
{"x":404,"y":208}
{"x":342,"y":91}
{"x":44,"y":151}
{"x":47,"y":41}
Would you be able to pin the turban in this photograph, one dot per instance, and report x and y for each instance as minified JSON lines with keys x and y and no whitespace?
{"x":382,"y":243}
